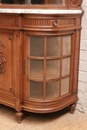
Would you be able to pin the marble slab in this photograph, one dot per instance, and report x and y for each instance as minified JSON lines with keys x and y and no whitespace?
{"x":40,"y":11}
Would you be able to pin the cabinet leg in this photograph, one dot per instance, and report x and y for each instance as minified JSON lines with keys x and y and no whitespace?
{"x":19,"y":116}
{"x":72,"y":108}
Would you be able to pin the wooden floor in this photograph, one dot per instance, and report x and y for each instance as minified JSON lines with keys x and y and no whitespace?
{"x":61,"y":120}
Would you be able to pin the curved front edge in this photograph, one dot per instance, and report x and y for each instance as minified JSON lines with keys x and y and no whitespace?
{"x":48,"y":107}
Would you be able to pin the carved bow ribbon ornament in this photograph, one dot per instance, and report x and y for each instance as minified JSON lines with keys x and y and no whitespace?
{"x":2,"y":58}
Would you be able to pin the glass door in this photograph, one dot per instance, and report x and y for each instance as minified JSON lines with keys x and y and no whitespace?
{"x":49,"y":66}
{"x":59,"y":2}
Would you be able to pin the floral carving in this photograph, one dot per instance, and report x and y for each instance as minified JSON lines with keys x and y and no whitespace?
{"x":74,"y":1}
{"x":2,"y":58}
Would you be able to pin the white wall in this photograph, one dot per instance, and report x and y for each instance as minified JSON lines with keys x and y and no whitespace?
{"x":82,"y":85}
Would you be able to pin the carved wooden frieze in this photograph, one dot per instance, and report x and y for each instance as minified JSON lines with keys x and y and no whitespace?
{"x":48,"y":23}
{"x":2,"y":58}
{"x":36,"y":22}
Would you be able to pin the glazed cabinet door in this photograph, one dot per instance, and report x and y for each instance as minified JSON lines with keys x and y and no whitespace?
{"x":48,"y":68}
{"x":7,"y":68}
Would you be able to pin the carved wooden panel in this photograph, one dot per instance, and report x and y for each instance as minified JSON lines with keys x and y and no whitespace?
{"x":6,"y":63}
{"x":2,"y":58}
{"x":7,"y":20}
{"x":67,"y":22}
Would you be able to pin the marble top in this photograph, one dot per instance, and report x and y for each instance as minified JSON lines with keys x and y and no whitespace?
{"x":39,"y":11}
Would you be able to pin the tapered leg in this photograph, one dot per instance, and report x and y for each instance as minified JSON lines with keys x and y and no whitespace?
{"x":72,"y":108}
{"x":19,"y":116}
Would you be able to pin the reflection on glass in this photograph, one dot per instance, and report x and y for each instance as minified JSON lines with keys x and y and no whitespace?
{"x":7,"y":1}
{"x":53,"y":46}
{"x":36,"y":90}
{"x":57,"y":1}
{"x":60,"y":2}
{"x":65,"y":86}
{"x":27,"y":1}
{"x":36,"y":46}
{"x":36,"y":68}
{"x":66,"y":45}
{"x":37,"y":1}
{"x":53,"y":69}
{"x":65,"y":66}
{"x":52,"y":89}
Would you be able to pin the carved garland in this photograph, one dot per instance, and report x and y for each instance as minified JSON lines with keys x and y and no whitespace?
{"x":2,"y":58}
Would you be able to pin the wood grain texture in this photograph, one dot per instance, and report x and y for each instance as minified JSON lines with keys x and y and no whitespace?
{"x":40,"y":59}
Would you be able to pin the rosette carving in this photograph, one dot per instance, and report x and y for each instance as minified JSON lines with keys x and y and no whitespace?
{"x":76,"y":3}
{"x":2,"y":58}
{"x":73,"y":3}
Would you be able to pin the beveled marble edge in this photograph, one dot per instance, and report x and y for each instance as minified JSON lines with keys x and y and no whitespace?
{"x":40,"y":11}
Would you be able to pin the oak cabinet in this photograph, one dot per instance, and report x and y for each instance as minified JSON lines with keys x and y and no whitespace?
{"x":39,"y":56}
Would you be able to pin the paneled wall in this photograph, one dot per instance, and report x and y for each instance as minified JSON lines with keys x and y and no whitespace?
{"x":82,"y":85}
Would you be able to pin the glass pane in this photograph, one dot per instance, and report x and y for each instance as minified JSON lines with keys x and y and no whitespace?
{"x":57,"y":1}
{"x":53,"y":46}
{"x":37,"y":1}
{"x":27,"y":1}
{"x":52,"y":89}
{"x":65,"y":66}
{"x":53,"y":69}
{"x":66,"y":45}
{"x":36,"y":46}
{"x":33,"y":1}
{"x":65,"y":86}
{"x":7,"y":1}
{"x":36,"y":68}
{"x":36,"y":90}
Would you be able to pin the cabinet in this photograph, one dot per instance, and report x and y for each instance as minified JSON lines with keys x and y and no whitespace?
{"x":39,"y":56}
{"x":7,"y":73}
